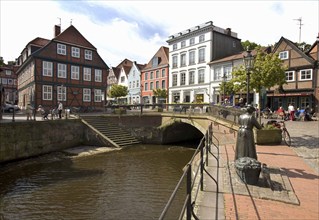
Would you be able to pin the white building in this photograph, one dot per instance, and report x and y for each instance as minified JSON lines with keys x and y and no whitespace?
{"x":134,"y":83}
{"x":189,"y":53}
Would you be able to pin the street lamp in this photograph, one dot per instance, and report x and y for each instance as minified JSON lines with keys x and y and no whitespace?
{"x":249,"y":64}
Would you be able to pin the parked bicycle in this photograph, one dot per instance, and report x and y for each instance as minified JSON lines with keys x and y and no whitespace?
{"x":285,"y":134}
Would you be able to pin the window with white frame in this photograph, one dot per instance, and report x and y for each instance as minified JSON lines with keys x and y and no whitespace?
{"x":304,"y":102}
{"x":201,"y":55}
{"x":183,"y":78}
{"x":306,"y":74}
{"x":61,"y":49}
{"x":8,"y":72}
{"x":201,"y":76}
{"x":151,"y":75}
{"x":192,"y":41}
{"x":133,"y":84}
{"x":122,"y":79}
{"x":290,"y":76}
{"x":163,"y":84}
{"x":97,"y":95}
{"x":191,"y":77}
{"x":98,"y":75}
{"x":174,"y":80}
{"x":86,"y":95}
{"x":61,"y":90}
{"x":191,"y":58}
{"x":86,"y":74}
{"x":218,"y":73}
{"x":137,"y":83}
{"x":151,"y":85}
{"x":183,"y":59}
{"x":75,"y":72}
{"x":163,"y":72}
{"x":47,"y":68}
{"x":76,"y":52}
{"x":174,"y":46}
{"x":283,"y":55}
{"x":130,"y":85}
{"x":10,"y":82}
{"x":46,"y":92}
{"x":88,"y":54}
{"x":183,"y":44}
{"x":227,"y":72}
{"x":175,"y":61}
{"x":61,"y":70}
{"x":201,"y":38}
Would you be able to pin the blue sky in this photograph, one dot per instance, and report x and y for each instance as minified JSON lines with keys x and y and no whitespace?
{"x":136,"y":29}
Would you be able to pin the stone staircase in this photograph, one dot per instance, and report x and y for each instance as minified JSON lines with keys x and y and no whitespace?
{"x":109,"y":131}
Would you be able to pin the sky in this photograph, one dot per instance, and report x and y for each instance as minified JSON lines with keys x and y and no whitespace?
{"x":137,"y":29}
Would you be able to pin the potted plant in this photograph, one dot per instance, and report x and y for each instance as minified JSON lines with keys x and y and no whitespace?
{"x":269,"y":134}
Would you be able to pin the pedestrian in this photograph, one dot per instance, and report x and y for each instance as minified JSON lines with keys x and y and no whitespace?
{"x":291,"y":111}
{"x":60,"y":108}
{"x":29,"y":111}
{"x":281,"y":113}
{"x":245,"y":144}
{"x":43,"y":112}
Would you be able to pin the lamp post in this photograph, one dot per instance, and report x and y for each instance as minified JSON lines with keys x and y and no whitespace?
{"x":249,"y":64}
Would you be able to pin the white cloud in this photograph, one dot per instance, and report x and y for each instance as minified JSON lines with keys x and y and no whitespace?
{"x":136,"y":29}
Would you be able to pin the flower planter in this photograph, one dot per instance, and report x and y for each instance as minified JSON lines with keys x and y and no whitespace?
{"x":120,"y":111}
{"x":265,"y":136}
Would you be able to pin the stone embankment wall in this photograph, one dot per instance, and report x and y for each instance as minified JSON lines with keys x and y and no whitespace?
{"x":32,"y":138}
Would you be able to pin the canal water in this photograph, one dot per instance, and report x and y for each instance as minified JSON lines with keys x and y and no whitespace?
{"x":133,"y":183}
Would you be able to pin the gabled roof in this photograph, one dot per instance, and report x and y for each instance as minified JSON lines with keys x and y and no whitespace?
{"x":162,"y":53}
{"x":294,"y":47}
{"x":39,"y":41}
{"x":73,"y":36}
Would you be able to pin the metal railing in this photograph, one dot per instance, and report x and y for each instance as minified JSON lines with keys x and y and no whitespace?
{"x":203,"y":151}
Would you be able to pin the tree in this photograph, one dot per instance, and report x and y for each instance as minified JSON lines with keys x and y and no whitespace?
{"x":303,"y":46}
{"x":251,"y":45}
{"x":268,"y":71}
{"x":117,"y":91}
{"x":160,"y":93}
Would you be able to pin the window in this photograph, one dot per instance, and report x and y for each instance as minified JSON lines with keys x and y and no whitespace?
{"x":227,"y":72}
{"x":122,"y":79}
{"x":152,"y":75}
{"x":8,"y":72}
{"x":130,"y":85}
{"x":145,"y":86}
{"x":283,"y":55}
{"x":61,"y":70}
{"x":86,"y":74}
{"x":201,"y":38}
{"x":88,"y":54}
{"x":157,"y":85}
{"x":137,"y":83}
{"x":76,"y":52}
{"x":292,"y":101}
{"x":163,"y":73}
{"x":10,"y":82}
{"x":183,"y":78}
{"x":174,"y":79}
{"x":98,"y":75}
{"x":304,"y":101}
{"x":218,"y":73}
{"x":174,"y":46}
{"x":183,"y":44}
{"x":201,"y":55}
{"x":192,"y":41}
{"x":163,"y":84}
{"x":183,"y":60}
{"x":306,"y":74}
{"x":290,"y":76}
{"x":201,"y":76}
{"x":61,"y":49}
{"x":75,"y":72}
{"x":155,"y":62}
{"x":191,"y":57}
{"x":4,"y":81}
{"x":146,"y":76}
{"x":61,"y":93}
{"x":174,"y":61}
{"x":191,"y":77}
{"x":46,"y":92}
{"x":97,"y":95}
{"x":157,"y":74}
{"x":47,"y":68}
{"x":151,"y":86}
{"x":86,"y":95}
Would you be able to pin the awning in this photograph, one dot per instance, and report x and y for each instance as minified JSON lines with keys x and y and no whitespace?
{"x":290,"y":94}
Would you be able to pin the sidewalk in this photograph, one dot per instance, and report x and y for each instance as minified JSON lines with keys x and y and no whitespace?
{"x":297,"y":178}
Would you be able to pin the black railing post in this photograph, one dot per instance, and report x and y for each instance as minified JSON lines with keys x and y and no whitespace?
{"x":202,"y":166}
{"x":189,"y":193}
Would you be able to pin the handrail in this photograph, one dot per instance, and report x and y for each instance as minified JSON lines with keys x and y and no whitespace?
{"x":204,"y":151}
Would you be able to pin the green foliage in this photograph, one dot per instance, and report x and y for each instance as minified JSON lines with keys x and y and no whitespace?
{"x":161,"y":93}
{"x":303,"y":46}
{"x":117,"y":91}
{"x":247,"y":44}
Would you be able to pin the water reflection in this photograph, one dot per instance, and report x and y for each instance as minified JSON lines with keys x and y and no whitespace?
{"x":133,"y":183}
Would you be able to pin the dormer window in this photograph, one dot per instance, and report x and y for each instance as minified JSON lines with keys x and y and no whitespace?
{"x":155,"y":62}
{"x":61,"y":49}
{"x":283,"y":55}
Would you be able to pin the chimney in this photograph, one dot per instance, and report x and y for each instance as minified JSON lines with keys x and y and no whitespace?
{"x":57,"y":30}
{"x":228,"y":31}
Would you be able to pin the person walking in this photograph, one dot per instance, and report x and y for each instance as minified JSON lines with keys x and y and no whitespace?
{"x":291,"y":111}
{"x":29,"y":111}
{"x":60,"y":108}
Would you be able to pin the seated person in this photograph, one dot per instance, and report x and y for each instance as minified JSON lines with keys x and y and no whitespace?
{"x":42,"y":112}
